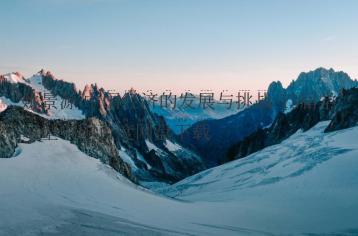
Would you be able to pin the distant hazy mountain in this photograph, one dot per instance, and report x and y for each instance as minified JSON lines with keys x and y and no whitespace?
{"x":223,"y":133}
{"x":182,"y":117}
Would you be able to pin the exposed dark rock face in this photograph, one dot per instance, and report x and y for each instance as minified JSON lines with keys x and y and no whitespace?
{"x":131,"y":123}
{"x":17,"y":92}
{"x":277,"y":95}
{"x":8,"y":141}
{"x":211,"y":138}
{"x":343,"y":113}
{"x":309,"y":88}
{"x":91,"y":135}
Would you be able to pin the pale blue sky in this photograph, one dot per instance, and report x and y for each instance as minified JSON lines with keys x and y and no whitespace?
{"x":178,"y":45}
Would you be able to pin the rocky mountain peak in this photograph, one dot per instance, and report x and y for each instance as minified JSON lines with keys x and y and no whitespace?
{"x":276,"y":94}
{"x":44,"y":72}
{"x":310,"y":87}
{"x":13,"y":77}
{"x":134,"y":127}
{"x":322,"y":78}
{"x":87,"y":92}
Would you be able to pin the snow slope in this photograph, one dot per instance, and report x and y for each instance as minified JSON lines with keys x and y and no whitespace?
{"x":307,"y":184}
{"x":52,"y":188}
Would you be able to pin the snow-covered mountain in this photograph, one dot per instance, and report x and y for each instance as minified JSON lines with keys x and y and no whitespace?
{"x":142,"y":138}
{"x":71,"y":176}
{"x":308,"y":88}
{"x":54,"y":107}
{"x":15,"y":77}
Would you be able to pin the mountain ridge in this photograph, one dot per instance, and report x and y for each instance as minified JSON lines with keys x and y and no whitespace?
{"x":141,"y":137}
{"x":342,"y":112}
{"x":230,"y":130}
{"x":90,"y":135}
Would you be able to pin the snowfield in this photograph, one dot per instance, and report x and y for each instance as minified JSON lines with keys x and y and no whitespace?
{"x":51,"y":188}
{"x":306,"y":185}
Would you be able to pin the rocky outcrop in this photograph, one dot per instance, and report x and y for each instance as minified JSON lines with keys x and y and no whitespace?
{"x":310,"y":87}
{"x":20,"y":92}
{"x":343,"y":113}
{"x":91,"y":135}
{"x":132,"y":124}
{"x":8,"y":141}
{"x":277,"y":95}
{"x":304,"y":116}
